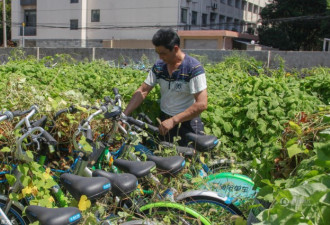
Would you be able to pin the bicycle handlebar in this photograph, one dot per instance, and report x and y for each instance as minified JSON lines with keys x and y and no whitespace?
{"x":142,"y":124}
{"x":49,"y":138}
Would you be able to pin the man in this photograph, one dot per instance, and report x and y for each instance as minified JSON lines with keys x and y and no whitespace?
{"x":182,"y":85}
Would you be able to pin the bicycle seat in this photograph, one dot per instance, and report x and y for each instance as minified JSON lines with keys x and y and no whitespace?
{"x":185,"y":151}
{"x":121,"y":184}
{"x":202,"y":143}
{"x":170,"y":166}
{"x":53,"y":216}
{"x":92,"y":187}
{"x":137,"y":168}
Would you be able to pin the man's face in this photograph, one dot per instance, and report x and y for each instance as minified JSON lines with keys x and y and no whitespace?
{"x":165,"y":54}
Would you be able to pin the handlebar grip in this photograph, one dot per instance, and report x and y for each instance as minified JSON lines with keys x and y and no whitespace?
{"x":60,"y":112}
{"x":89,"y":136}
{"x":115,"y":91}
{"x":21,"y":113}
{"x":142,"y":125}
{"x":16,"y":113}
{"x":138,"y":123}
{"x":73,"y":109}
{"x":148,"y":119}
{"x":153,"y":128}
{"x":49,"y":138}
{"x":107,"y":99}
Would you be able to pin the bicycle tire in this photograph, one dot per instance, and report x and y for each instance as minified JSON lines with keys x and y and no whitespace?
{"x":15,"y":214}
{"x":210,"y":205}
{"x":172,"y":213}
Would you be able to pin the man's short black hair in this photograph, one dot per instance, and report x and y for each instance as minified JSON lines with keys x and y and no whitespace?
{"x":167,"y":38}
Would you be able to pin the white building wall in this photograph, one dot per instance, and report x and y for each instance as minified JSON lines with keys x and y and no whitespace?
{"x":124,"y":19}
{"x":131,"y":19}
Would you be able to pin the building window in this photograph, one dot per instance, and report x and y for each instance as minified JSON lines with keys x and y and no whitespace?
{"x":73,"y":24}
{"x":222,"y":22}
{"x":250,"y":7}
{"x":229,"y":23}
{"x":184,"y":15}
{"x":244,"y":3}
{"x":230,"y":2}
{"x":194,"y":18}
{"x":204,"y":19}
{"x":223,"y":1}
{"x":236,"y":25}
{"x":74,"y":1}
{"x":213,"y":17}
{"x":30,"y":18}
{"x":95,"y":15}
{"x":255,"y":9}
{"x":237,"y":3}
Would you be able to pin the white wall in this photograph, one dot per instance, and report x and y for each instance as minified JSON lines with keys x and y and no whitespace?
{"x":119,"y":16}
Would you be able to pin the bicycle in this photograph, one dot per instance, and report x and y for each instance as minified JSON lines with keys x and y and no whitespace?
{"x":140,"y":170}
{"x":73,"y":213}
{"x":11,"y":210}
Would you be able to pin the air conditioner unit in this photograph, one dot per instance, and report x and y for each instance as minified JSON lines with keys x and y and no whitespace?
{"x":214,"y":6}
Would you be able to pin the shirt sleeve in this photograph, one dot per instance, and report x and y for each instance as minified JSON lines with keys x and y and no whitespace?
{"x":197,"y":83}
{"x":151,"y":79}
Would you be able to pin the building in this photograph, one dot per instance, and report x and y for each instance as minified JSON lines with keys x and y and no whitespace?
{"x":126,"y":23}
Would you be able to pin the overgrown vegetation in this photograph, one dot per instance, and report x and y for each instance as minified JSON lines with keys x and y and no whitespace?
{"x":275,"y":121}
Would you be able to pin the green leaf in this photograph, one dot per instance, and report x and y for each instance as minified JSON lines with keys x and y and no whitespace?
{"x":294,"y":150}
{"x":30,"y":154}
{"x":227,"y":127}
{"x":252,"y":114}
{"x":11,"y":179}
{"x":251,"y":143}
{"x":14,"y":196}
{"x":23,"y":168}
{"x":325,"y":134}
{"x":322,"y":151}
{"x":5,"y":149}
{"x":325,"y":199}
{"x":25,"y":180}
{"x":295,"y":127}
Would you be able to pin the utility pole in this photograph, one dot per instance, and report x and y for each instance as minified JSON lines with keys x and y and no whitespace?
{"x":4,"y":23}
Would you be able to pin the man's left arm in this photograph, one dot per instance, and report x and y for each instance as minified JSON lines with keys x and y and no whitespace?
{"x":193,"y":111}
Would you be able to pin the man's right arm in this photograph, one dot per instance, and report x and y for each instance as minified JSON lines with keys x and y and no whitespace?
{"x":139,"y":95}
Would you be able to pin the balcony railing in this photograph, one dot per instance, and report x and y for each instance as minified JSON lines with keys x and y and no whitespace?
{"x":28,"y":2}
{"x":28,"y":31}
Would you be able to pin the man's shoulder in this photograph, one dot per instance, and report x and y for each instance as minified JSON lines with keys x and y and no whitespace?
{"x":195,"y":67}
{"x":191,"y":61}
{"x":158,"y":66}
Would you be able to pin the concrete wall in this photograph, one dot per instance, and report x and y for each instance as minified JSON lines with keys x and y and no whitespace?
{"x":270,"y":58}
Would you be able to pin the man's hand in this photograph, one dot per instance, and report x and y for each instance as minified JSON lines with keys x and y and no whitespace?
{"x":166,"y":125}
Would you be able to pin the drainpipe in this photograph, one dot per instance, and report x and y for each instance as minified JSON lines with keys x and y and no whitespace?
{"x":178,"y":21}
{"x":84,"y":16}
{"x":224,"y":43}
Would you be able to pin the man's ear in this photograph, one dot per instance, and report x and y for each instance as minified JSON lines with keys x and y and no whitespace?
{"x":176,"y":48}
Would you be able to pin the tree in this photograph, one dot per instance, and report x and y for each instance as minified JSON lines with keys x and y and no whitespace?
{"x":8,"y":19}
{"x":294,"y":24}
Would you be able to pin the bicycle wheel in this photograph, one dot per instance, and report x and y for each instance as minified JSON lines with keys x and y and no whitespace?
{"x":172,"y":213}
{"x":212,"y":206}
{"x":14,"y":214}
{"x":238,"y":187}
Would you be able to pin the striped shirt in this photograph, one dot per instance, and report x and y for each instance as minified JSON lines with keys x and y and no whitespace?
{"x":177,"y":91}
